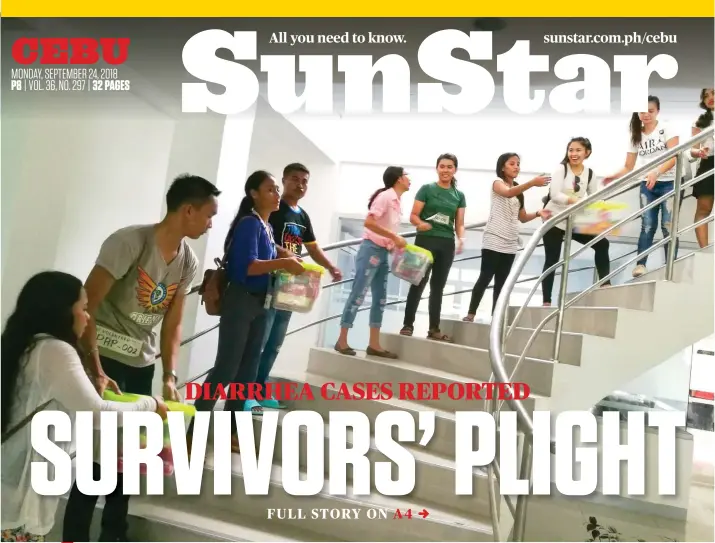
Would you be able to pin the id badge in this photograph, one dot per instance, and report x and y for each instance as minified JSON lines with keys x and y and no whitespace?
{"x":269,"y":294}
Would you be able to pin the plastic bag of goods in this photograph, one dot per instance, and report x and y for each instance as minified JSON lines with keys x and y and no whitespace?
{"x":411,"y":263}
{"x":166,"y":455}
{"x":599,"y":216}
{"x":298,"y":293}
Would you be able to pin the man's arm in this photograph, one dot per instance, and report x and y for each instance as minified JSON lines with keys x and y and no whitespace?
{"x":170,"y":342}
{"x":97,"y":286}
{"x":319,"y":256}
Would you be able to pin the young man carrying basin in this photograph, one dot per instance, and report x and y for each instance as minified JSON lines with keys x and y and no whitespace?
{"x":292,"y":230}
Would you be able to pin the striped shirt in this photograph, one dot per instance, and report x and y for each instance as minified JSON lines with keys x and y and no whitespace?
{"x":502,"y":231}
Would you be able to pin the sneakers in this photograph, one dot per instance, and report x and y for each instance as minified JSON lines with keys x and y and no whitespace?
{"x":639,"y":270}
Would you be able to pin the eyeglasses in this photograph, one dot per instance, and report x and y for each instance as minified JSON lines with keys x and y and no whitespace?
{"x":576,"y":183}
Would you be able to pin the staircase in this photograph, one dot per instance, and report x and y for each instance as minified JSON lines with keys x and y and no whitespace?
{"x":604,"y":347}
{"x":608,"y":337}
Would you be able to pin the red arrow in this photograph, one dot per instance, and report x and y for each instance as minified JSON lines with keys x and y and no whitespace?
{"x":424,"y":513}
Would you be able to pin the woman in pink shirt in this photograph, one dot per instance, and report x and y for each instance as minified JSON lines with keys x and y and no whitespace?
{"x":371,"y":264}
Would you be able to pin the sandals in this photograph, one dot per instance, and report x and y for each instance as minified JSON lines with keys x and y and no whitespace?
{"x":436,"y":335}
{"x":253,"y":406}
{"x":381,"y":354}
{"x":468,"y":318}
{"x":271,"y":403}
{"x":407,"y":331}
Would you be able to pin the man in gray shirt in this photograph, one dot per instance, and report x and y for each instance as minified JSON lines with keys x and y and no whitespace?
{"x":140,"y":279}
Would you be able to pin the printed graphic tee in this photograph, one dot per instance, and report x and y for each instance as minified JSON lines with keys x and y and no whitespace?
{"x":144,"y":288}
{"x":440,"y":208}
{"x":291,"y":228}
{"x":652,"y":146}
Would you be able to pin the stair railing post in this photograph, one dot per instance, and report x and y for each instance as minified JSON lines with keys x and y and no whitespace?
{"x":674,"y":219}
{"x":520,"y":513}
{"x":562,"y":287}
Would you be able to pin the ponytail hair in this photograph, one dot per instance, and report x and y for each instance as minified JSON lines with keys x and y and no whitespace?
{"x":391,"y":176}
{"x":636,"y":126}
{"x":706,"y":119}
{"x":253,"y":183}
{"x":583,"y":141}
{"x":453,"y":158}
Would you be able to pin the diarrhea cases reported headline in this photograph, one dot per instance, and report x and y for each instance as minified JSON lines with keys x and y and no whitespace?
{"x":420,"y":391}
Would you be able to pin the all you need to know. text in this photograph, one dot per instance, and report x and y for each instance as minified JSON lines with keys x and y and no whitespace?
{"x":600,"y":449}
{"x":241,"y":87}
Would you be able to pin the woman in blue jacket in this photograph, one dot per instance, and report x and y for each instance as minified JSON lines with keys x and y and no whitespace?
{"x":251,"y":259}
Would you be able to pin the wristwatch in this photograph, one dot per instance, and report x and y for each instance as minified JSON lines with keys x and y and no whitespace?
{"x":170,"y":372}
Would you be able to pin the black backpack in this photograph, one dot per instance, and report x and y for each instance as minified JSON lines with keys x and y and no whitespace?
{"x":546,"y":199}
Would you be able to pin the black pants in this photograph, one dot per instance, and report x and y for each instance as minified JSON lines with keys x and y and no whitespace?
{"x":442,"y":250}
{"x":80,"y":508}
{"x":494,"y":265}
{"x":553,"y":239}
{"x":240,"y":338}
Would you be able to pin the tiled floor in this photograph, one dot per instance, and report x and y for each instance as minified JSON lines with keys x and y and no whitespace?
{"x":559,"y":519}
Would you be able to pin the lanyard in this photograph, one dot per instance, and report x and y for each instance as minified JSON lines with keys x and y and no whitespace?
{"x":265,"y":227}
{"x":269,"y":294}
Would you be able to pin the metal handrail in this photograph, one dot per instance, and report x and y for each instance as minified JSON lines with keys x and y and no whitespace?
{"x":500,"y":332}
{"x":367,"y":308}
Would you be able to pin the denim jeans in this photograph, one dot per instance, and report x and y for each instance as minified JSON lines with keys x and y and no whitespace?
{"x":649,"y":219}
{"x":276,"y":328}
{"x":240,"y":334}
{"x":371,"y":271}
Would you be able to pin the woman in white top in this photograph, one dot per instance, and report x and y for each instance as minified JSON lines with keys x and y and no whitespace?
{"x":650,"y":139}
{"x":501,"y":235}
{"x":572,"y":181}
{"x":41,"y":365}
{"x":703,"y":189}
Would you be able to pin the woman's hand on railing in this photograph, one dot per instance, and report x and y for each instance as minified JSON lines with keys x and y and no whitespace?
{"x":701,"y":153}
{"x":610,"y":179}
{"x":545,"y":214}
{"x":424,"y":226}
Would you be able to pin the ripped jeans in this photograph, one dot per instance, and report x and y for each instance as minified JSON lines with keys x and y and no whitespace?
{"x":371,"y":271}
{"x":649,"y":219}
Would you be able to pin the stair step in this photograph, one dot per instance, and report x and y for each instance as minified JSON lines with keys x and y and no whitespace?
{"x":469,"y":362}
{"x":682,"y":272}
{"x":434,"y":475}
{"x":476,"y":334}
{"x":172,"y":519}
{"x":444,"y":432}
{"x":365,"y":369}
{"x":594,"y":321}
{"x":440,"y":525}
{"x":639,"y":296}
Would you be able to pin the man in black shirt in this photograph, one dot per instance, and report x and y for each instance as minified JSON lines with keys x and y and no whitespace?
{"x":292,"y":231}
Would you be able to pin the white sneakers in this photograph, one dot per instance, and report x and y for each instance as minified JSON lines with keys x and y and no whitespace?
{"x":639,"y":270}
